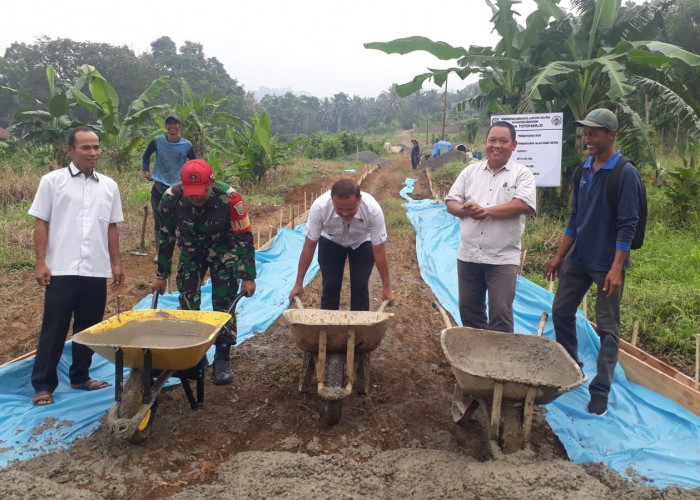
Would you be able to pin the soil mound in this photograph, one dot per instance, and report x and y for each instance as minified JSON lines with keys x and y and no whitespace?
{"x":449,"y":157}
{"x":367,"y":157}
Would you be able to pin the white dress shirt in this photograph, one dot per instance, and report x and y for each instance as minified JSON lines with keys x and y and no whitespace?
{"x":79,"y":211}
{"x":492,"y":240}
{"x":367,"y":225}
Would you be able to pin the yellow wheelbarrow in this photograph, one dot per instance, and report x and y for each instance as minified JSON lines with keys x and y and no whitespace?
{"x":156,"y":344}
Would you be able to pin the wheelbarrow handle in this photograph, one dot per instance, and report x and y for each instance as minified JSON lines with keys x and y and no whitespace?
{"x":156,"y":294}
{"x":383,"y":306}
{"x":232,"y":308}
{"x":543,"y":321}
{"x":443,"y":313}
{"x":297,"y":302}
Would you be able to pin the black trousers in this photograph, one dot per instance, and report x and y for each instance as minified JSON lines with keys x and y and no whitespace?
{"x":157,"y":192}
{"x":331,"y":259}
{"x":83,"y":299}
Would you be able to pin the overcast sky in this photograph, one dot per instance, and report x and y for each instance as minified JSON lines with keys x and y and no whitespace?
{"x":307,"y":45}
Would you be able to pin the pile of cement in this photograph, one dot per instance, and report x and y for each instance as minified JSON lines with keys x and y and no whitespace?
{"x":411,"y":473}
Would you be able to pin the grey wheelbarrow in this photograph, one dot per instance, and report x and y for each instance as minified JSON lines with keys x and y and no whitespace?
{"x":337,"y":346}
{"x":502,"y":376}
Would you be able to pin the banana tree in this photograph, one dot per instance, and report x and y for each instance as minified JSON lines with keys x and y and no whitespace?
{"x":50,"y":123}
{"x":562,"y":62}
{"x":252,"y":151}
{"x":201,"y":117}
{"x":122,"y":137}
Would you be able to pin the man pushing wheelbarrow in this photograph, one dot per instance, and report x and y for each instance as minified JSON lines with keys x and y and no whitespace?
{"x":346,"y":224}
{"x":209,"y":222}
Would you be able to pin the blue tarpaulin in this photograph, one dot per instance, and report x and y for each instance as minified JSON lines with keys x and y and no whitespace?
{"x":440,"y":148}
{"x":643,"y":435}
{"x":27,"y":431}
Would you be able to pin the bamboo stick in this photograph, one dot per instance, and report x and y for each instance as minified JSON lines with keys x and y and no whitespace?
{"x":281,"y":212}
{"x":269,"y":233}
{"x":585,"y":305}
{"x":551,"y":285}
{"x":635,"y":333}
{"x":304,"y":201}
{"x":697,"y":360}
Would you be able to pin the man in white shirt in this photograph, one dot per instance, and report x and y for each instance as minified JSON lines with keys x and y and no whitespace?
{"x":76,"y":243}
{"x":491,"y":199}
{"x":345,"y":223}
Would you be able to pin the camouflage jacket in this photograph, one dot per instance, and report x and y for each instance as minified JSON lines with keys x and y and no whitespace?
{"x":205,"y":233}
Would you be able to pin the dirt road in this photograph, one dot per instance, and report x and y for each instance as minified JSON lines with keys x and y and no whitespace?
{"x":259,"y":438}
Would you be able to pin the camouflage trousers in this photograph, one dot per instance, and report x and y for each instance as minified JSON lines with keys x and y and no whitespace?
{"x":190,"y":276}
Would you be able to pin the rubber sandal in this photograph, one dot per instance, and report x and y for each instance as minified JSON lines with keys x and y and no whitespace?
{"x":90,"y":385}
{"x":42,"y":398}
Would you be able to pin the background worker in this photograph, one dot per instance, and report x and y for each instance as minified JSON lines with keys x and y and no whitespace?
{"x":346,"y":224}
{"x":597,"y":241}
{"x":76,"y":243}
{"x":415,"y":154}
{"x":210,"y":224}
{"x":491,"y":199}
{"x":172,"y":151}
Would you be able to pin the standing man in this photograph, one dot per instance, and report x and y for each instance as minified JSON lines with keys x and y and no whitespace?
{"x":415,"y":154}
{"x":172,"y":151}
{"x":491,"y":199}
{"x":347,"y":224}
{"x":210,"y":224}
{"x":76,"y":243}
{"x":598,"y":236}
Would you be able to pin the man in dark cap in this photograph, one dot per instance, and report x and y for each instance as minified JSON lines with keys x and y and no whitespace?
{"x":172,"y":151}
{"x":595,"y":248}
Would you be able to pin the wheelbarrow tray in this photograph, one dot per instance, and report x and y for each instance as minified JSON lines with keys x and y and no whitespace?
{"x":306,"y":325}
{"x":482,"y":358}
{"x":177,"y":339}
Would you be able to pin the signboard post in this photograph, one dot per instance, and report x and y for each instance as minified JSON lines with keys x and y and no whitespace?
{"x":539,"y":147}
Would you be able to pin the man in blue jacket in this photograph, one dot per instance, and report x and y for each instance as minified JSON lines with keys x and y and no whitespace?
{"x":598,"y":237}
{"x":172,"y":151}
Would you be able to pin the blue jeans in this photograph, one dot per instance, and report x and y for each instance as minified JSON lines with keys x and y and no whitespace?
{"x":574,"y":282}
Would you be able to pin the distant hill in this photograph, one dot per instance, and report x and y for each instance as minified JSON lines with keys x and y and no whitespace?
{"x":263,"y":91}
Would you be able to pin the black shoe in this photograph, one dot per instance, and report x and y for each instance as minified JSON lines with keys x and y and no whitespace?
{"x":598,"y":405}
{"x":220,"y":372}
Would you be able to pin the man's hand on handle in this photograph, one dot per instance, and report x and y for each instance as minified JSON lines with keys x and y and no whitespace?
{"x":248,"y":287}
{"x":297,"y":291}
{"x":159,"y":284}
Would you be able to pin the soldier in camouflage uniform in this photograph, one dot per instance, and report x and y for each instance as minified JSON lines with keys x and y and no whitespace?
{"x":210,"y":224}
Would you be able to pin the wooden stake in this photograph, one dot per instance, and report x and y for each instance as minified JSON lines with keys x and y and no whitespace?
{"x":304,"y":201}
{"x":281,"y":212}
{"x":551,"y":285}
{"x":269,"y":233}
{"x":585,"y":305}
{"x":635,"y":333}
{"x":522,"y":261}
{"x":119,"y":304}
{"x":258,"y":245}
{"x":697,"y":360}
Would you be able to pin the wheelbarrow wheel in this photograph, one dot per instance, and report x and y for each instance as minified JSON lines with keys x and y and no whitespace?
{"x":511,"y":435}
{"x":143,"y":429}
{"x":131,"y":395}
{"x":335,"y":374}
{"x":130,"y":404}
